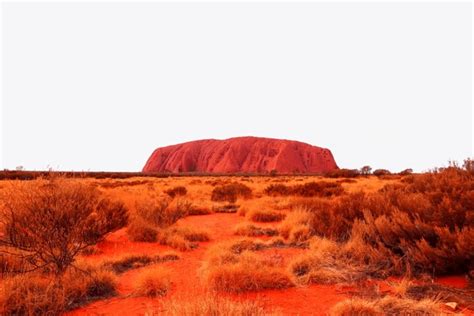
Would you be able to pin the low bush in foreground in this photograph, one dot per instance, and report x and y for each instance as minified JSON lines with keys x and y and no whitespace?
{"x":47,"y":223}
{"x":153,"y":282}
{"x":235,"y":268}
{"x":213,"y":304}
{"x":387,"y":305}
{"x":37,"y":294}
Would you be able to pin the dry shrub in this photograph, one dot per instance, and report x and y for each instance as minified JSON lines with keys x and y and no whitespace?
{"x":328,"y":262}
{"x":182,"y":238}
{"x":228,"y":208}
{"x":343,"y":173}
{"x":424,"y":224}
{"x":179,"y":190}
{"x":128,"y":262}
{"x":49,"y":222}
{"x":296,"y":220}
{"x":310,"y":189}
{"x":36,"y":294}
{"x":153,"y":282}
{"x":212,"y":304}
{"x":159,"y":213}
{"x":140,"y":230}
{"x":244,"y":272}
{"x":265,"y":216}
{"x":234,"y":267}
{"x":250,"y":230}
{"x":381,"y":172}
{"x":153,"y":218}
{"x":387,"y":305}
{"x":230,"y":192}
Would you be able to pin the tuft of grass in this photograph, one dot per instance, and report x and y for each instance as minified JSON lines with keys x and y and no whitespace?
{"x":265,"y":216}
{"x":230,"y":192}
{"x":251,"y":230}
{"x":212,"y":304}
{"x":179,"y":190}
{"x":387,"y":305}
{"x":128,"y":262}
{"x":153,"y":282}
{"x":233,"y":267}
{"x":39,"y":294}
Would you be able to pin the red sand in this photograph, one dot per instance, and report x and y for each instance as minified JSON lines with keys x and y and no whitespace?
{"x":310,"y":300}
{"x":241,"y":154}
{"x":186,"y":280}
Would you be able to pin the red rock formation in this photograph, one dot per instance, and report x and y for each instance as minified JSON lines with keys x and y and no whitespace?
{"x":241,"y":154}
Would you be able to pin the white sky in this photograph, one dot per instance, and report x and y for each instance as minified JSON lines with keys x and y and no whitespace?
{"x":100,"y":85}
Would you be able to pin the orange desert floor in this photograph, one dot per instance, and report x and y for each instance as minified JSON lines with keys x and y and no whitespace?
{"x":311,"y":300}
{"x":307,"y":300}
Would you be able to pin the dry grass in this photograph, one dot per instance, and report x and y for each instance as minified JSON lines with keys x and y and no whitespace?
{"x":387,"y":305}
{"x":176,"y":191}
{"x":265,"y":216}
{"x":251,"y":230}
{"x":36,"y":294}
{"x":233,"y":267}
{"x":212,"y":304}
{"x":230,"y":192}
{"x":153,"y":282}
{"x":47,"y":223}
{"x":310,"y":189}
{"x":129,"y":261}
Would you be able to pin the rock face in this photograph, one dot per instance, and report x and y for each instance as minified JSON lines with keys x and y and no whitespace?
{"x":241,"y":154}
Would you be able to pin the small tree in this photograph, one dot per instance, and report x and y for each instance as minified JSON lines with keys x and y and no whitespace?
{"x":365,"y":170}
{"x":469,"y":165}
{"x":48,"y":223}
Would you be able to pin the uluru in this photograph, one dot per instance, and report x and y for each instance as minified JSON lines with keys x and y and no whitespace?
{"x":241,"y":154}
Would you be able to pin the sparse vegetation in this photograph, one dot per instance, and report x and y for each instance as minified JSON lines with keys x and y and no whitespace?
{"x":153,"y":282}
{"x":48,"y":223}
{"x":212,"y":304}
{"x":176,"y":191}
{"x":310,"y":189}
{"x":358,"y":232}
{"x":230,"y":192}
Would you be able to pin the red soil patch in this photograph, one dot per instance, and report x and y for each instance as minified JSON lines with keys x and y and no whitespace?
{"x":241,"y":154}
{"x":310,"y":300}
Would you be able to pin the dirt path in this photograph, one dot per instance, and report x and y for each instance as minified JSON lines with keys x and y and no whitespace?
{"x":313,"y":300}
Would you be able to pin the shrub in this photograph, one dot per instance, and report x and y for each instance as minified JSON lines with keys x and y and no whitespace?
{"x":128,"y":262}
{"x":381,"y":172}
{"x":343,"y":173}
{"x":406,"y":172}
{"x":365,"y":170}
{"x":153,"y":282}
{"x":181,"y":238}
{"x":139,"y":230}
{"x":250,"y":230}
{"x":265,"y":216}
{"x":159,"y":213}
{"x":50,"y":222}
{"x":179,"y":190}
{"x":387,"y":305}
{"x":37,"y":294}
{"x":245,"y":272}
{"x":278,"y":189}
{"x":310,"y":189}
{"x":212,"y":304}
{"x":230,"y":192}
